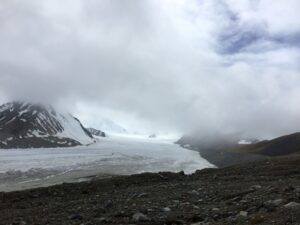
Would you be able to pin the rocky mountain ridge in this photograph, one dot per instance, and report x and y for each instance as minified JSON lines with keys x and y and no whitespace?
{"x":96,"y":132}
{"x":27,"y":125}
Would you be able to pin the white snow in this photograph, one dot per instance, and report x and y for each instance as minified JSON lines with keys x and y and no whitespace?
{"x":113,"y":155}
{"x":37,"y":134}
{"x":12,"y":119}
{"x":108,"y":126}
{"x":5,"y":107}
{"x":72,"y":129}
{"x":23,"y":112}
{"x":244,"y":142}
{"x":25,"y":105}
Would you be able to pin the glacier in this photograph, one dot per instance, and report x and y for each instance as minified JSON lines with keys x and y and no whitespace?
{"x":114,"y":155}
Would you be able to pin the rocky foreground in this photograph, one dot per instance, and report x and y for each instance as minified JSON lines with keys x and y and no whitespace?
{"x":266,"y":192}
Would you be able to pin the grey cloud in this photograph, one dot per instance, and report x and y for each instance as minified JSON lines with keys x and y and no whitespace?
{"x":153,"y":64}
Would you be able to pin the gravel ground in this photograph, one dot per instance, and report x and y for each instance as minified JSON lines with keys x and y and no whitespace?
{"x":265,"y":192}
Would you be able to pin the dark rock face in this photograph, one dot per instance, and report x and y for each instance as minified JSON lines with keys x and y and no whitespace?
{"x":96,"y":132}
{"x":39,"y":142}
{"x":25,"y":125}
{"x":18,"y":119}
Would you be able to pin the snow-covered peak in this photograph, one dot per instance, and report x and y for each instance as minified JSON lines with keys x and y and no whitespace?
{"x":22,"y":120}
{"x":108,"y":126}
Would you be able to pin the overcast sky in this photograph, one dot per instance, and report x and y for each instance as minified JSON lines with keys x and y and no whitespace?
{"x":157,"y":65}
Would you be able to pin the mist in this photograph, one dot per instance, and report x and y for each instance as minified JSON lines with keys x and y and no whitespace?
{"x":227,"y":66}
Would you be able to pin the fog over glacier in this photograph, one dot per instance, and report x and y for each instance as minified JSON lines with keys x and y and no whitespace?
{"x":152,"y":65}
{"x":114,"y":155}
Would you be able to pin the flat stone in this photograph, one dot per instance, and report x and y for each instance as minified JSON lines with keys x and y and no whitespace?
{"x":140,"y":217}
{"x":276,"y":202}
{"x":255,"y":187}
{"x":215,"y":209}
{"x":166,"y":209}
{"x":243,"y":213}
{"x":292,"y":205}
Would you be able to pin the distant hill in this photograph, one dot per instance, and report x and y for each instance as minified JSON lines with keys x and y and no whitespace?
{"x":224,"y":150}
{"x":218,"y":149}
{"x":26,"y":125}
{"x":283,"y":145}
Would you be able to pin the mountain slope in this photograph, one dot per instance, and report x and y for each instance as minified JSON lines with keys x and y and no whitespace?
{"x":225,"y":150}
{"x":108,"y":126}
{"x":26,"y":125}
{"x":283,"y":145}
{"x":96,"y":132}
{"x":220,"y":150}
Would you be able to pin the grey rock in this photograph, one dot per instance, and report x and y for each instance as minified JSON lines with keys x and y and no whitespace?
{"x":142,"y":195}
{"x":76,"y":216}
{"x":140,"y":217}
{"x":276,"y":202}
{"x":243,"y":213}
{"x":185,"y":204}
{"x":292,"y":205}
{"x":200,"y":223}
{"x":166,"y":209}
{"x":194,"y":192}
{"x":215,"y":209}
{"x":255,"y":187}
